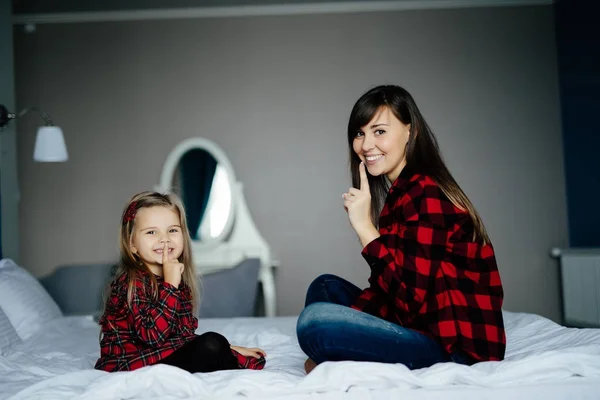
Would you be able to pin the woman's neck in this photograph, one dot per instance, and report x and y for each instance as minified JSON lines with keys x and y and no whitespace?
{"x":393,"y":175}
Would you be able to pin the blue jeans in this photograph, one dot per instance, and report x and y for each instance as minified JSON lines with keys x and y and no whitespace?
{"x":329,"y":330}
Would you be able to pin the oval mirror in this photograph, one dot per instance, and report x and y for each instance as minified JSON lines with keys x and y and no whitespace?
{"x":198,"y":171}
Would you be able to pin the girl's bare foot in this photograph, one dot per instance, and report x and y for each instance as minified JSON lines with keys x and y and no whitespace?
{"x":309,"y":365}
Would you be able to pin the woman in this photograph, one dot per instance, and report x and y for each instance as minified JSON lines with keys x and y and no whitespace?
{"x":434,"y":293}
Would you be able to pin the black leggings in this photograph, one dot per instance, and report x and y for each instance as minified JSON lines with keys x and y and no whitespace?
{"x":205,"y":353}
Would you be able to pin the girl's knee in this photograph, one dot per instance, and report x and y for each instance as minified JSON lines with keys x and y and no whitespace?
{"x":213,"y":342}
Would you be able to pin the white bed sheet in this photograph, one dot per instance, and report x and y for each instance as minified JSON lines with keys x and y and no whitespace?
{"x":543,"y":360}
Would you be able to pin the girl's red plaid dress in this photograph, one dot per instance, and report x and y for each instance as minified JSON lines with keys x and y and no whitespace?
{"x":150,"y":330}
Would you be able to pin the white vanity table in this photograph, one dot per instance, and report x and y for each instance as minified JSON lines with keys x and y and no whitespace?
{"x":223,"y":232}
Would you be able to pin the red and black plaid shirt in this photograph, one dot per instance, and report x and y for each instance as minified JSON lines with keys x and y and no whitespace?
{"x":428,"y":275}
{"x":151,"y":329}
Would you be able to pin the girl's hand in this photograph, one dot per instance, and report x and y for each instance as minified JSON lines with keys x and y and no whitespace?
{"x":357,"y":203}
{"x":249,"y":352}
{"x":172,"y":269}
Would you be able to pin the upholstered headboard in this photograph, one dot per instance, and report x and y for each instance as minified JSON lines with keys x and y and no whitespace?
{"x":230,"y":292}
{"x":78,"y":289}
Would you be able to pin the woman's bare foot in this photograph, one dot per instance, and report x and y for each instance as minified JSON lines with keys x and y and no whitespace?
{"x":309,"y":365}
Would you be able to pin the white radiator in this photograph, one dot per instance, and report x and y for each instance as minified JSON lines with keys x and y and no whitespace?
{"x":580,"y":280}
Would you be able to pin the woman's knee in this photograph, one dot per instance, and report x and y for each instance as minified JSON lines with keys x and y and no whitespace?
{"x":315,"y":324}
{"x":318,"y":289}
{"x":318,"y":317}
{"x":320,"y":281}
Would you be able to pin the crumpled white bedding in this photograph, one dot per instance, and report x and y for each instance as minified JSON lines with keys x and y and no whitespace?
{"x":57,"y":363}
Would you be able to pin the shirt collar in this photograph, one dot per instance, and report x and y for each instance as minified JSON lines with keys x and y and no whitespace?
{"x":400,"y":183}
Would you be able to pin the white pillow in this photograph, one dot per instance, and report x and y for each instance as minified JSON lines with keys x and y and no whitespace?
{"x":24,"y":300}
{"x":8,"y":335}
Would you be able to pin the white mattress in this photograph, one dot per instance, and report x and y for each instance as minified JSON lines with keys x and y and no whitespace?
{"x":543,"y":360}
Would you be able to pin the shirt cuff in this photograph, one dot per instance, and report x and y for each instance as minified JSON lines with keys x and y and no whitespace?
{"x":249,"y":362}
{"x":374,"y":254}
{"x":170,"y":288}
{"x":372,"y":248}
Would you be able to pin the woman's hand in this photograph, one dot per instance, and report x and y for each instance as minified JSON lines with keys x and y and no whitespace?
{"x":249,"y":352}
{"x":357,"y":203}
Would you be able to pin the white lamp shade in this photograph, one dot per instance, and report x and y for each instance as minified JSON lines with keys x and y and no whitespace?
{"x":50,"y":145}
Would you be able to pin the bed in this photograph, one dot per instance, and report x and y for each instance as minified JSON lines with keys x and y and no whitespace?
{"x":47,"y":355}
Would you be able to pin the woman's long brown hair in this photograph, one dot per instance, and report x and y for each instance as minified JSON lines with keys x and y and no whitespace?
{"x":422,"y":152}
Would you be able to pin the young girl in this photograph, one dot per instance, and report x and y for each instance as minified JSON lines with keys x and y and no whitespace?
{"x":434,"y":292}
{"x":149,"y":315}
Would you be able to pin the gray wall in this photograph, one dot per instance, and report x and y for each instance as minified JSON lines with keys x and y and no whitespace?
{"x":275,"y":94}
{"x":9,"y":210}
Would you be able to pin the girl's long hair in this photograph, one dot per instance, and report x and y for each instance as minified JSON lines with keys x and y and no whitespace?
{"x":129,"y":263}
{"x":422,"y":152}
